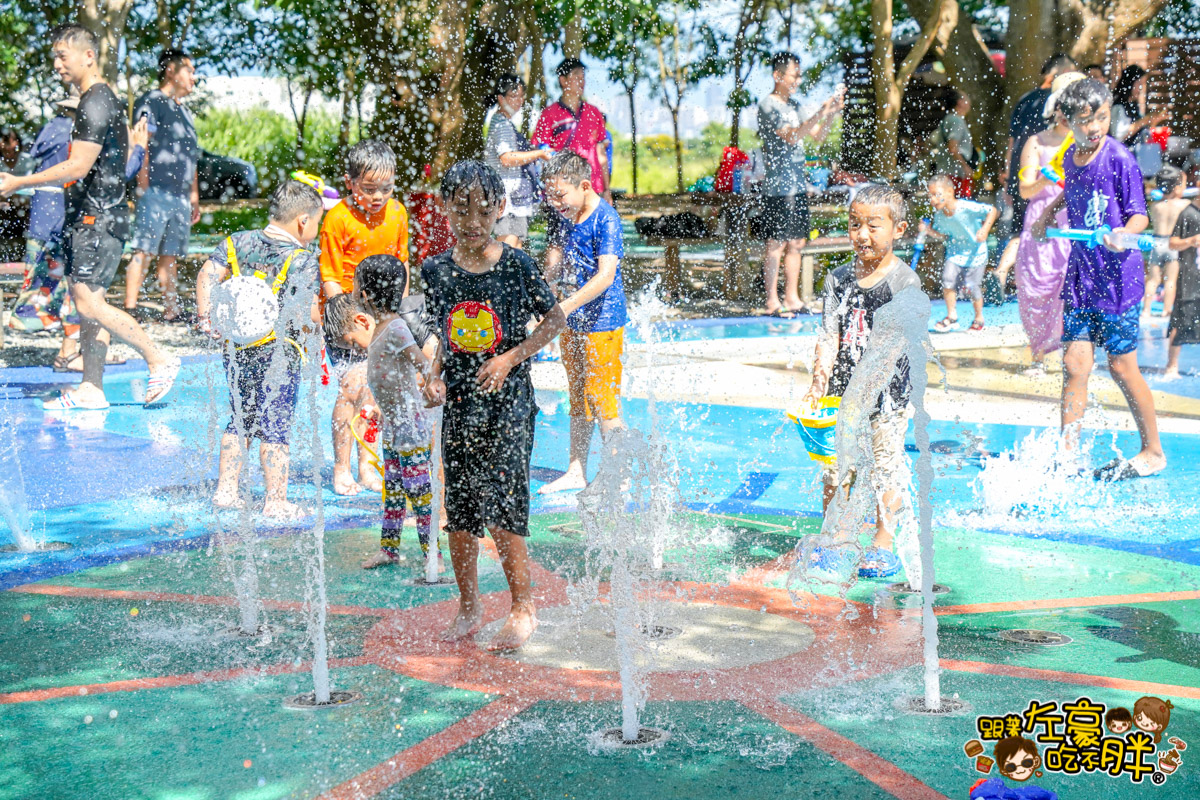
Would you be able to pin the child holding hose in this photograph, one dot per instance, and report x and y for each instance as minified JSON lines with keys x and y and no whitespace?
{"x":372,"y":320}
{"x":1104,"y":284}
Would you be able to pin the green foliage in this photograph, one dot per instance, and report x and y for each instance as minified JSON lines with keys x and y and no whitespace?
{"x":268,"y":141}
{"x":660,"y":144}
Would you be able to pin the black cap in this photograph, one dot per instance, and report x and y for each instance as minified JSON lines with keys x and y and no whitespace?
{"x":568,"y":66}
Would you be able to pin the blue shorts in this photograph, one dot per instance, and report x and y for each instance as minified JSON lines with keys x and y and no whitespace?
{"x":162,"y":224}
{"x":263,"y":383}
{"x":1117,"y":334}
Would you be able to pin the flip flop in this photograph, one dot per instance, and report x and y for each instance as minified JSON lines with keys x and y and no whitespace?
{"x":781,"y":313}
{"x":63,"y":363}
{"x":160,"y":384}
{"x":1120,"y":469}
{"x":67,"y":402}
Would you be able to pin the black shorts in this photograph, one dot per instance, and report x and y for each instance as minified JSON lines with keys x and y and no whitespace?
{"x":487,"y":443}
{"x":1185,"y":322}
{"x":263,"y":382}
{"x":92,"y":252}
{"x":784,"y":218}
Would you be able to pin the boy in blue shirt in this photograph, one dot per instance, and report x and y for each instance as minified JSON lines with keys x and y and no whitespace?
{"x":965,"y":226}
{"x":583,"y":261}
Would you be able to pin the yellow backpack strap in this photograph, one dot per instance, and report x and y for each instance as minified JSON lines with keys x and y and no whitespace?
{"x":281,"y":278}
{"x":231,"y":255}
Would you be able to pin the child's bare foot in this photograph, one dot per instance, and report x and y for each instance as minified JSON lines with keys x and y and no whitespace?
{"x":571,"y":480}
{"x":1171,"y":375}
{"x":227,"y":498}
{"x":345,"y":485}
{"x":282,"y":510}
{"x":465,"y":622}
{"x":369,"y":480}
{"x":381,"y":558}
{"x":520,"y":625}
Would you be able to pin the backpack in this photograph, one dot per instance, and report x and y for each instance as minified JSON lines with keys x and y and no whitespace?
{"x":245,"y":307}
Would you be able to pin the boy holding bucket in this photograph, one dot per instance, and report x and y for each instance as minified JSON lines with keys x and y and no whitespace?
{"x":853,"y":293}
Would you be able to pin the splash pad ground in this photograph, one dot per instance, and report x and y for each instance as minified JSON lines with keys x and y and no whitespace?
{"x":119,"y":678}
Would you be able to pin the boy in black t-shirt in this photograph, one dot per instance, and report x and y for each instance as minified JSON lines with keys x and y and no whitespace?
{"x":1184,"y":327}
{"x":483,"y":294}
{"x":97,"y":221}
{"x":853,"y":293}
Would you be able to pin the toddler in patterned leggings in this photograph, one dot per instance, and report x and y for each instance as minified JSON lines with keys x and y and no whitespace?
{"x":370,"y":319}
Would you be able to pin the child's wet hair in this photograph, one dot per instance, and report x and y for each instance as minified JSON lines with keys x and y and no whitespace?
{"x":567,"y":166}
{"x":381,"y":281}
{"x":1168,"y":178}
{"x":370,"y":157}
{"x":464,"y":175}
{"x":339,"y":313}
{"x":942,"y":181}
{"x":886,"y":196}
{"x":291,"y":199}
{"x":1085,"y":95}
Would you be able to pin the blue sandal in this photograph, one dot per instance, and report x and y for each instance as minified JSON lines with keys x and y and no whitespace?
{"x":878,"y":563}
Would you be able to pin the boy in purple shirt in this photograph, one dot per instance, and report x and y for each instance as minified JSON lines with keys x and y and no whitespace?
{"x":1104,"y":285}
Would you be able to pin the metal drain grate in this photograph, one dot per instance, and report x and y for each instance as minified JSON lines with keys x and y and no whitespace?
{"x":916,"y":705}
{"x":1035,"y":637}
{"x":659,"y":633}
{"x":308,"y":700}
{"x":40,"y":547}
{"x":905,"y":588}
{"x":645,"y":738}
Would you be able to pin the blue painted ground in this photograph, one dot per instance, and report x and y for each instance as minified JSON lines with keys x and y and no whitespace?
{"x":121,"y":482}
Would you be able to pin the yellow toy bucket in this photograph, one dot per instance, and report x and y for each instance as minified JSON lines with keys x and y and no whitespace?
{"x":817,"y":426}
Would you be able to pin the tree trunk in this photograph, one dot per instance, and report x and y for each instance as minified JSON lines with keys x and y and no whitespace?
{"x":107,"y":19}
{"x":889,"y":83}
{"x":739,"y":84}
{"x":573,"y":33}
{"x":162,"y":23}
{"x":633,"y":145}
{"x":349,"y":93}
{"x":678,"y":150}
{"x":887,"y":94}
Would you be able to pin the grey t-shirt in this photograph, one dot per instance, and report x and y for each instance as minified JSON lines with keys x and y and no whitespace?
{"x":1187,"y":226}
{"x":405,"y":423}
{"x":784,"y":162}
{"x":953,"y":128}
{"x":174,"y":148}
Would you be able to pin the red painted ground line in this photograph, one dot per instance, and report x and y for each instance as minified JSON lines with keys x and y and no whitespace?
{"x":56,"y":590}
{"x":1067,"y":602}
{"x":170,"y":681}
{"x":879,"y":771}
{"x":1101,"y":681}
{"x":419,"y":756}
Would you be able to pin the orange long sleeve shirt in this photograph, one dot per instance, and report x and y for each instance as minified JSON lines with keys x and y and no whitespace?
{"x":348,"y":236}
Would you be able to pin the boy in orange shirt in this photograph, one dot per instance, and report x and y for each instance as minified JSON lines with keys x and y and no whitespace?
{"x":368,"y":222}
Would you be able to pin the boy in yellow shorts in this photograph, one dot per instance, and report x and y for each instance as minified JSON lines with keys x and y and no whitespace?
{"x":583,"y":260}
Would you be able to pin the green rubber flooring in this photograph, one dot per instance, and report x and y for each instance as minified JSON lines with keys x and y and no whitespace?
{"x":123,"y":681}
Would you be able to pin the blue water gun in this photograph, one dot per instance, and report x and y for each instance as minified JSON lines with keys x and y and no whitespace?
{"x":1094,"y":239}
{"x":1157,"y":194}
{"x":919,"y":245}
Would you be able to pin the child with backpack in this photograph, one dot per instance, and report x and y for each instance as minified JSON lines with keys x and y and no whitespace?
{"x":264,"y":375}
